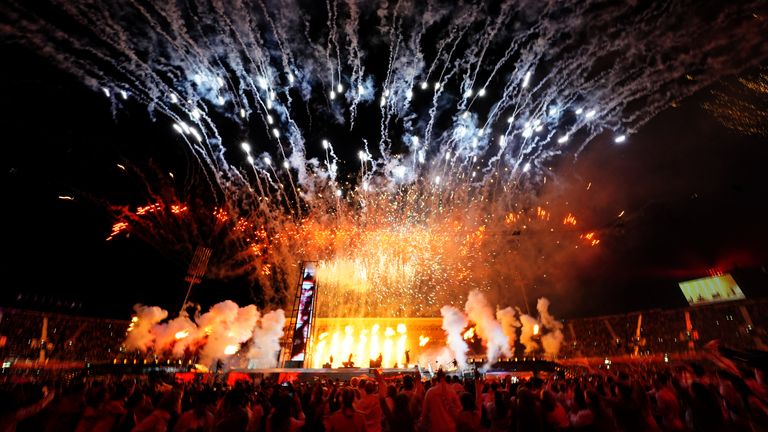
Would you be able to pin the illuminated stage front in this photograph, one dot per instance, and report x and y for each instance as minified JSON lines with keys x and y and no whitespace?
{"x":397,"y":342}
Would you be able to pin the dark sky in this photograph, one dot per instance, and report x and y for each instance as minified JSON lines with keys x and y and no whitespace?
{"x":695,"y":197}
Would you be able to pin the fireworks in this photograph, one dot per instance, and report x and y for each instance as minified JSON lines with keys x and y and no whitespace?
{"x":411,"y":176}
{"x":743,"y":107}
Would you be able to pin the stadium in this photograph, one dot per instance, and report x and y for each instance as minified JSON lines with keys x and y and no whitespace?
{"x":32,"y":339}
{"x":359,"y":215}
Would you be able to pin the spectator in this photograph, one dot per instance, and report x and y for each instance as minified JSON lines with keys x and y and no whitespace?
{"x":556,"y":417}
{"x":161,"y":417}
{"x":441,"y":406}
{"x":347,"y":419}
{"x":371,"y":408}
{"x":200,"y":417}
{"x":281,"y":418}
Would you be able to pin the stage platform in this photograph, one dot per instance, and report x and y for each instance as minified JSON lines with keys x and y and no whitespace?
{"x":312,"y":373}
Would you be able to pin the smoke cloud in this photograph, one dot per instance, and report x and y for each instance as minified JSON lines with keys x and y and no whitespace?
{"x":266,"y":339}
{"x":217,"y":334}
{"x":454,"y":322}
{"x":554,"y":336}
{"x":527,"y":333}
{"x":499,"y":333}
{"x":509,"y":324}
{"x":480,"y":312}
{"x":141,"y":335}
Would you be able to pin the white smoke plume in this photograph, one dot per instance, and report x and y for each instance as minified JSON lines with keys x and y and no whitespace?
{"x":166,"y":333}
{"x":488,"y":329}
{"x":454,"y":322}
{"x":266,"y":340}
{"x":226,"y":325}
{"x":437,"y":357}
{"x":527,"y":333}
{"x":217,"y":334}
{"x":552,"y":339}
{"x":141,"y":335}
{"x":498,"y":333}
{"x":509,"y":324}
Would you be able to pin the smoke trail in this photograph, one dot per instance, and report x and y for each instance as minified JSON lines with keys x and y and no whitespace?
{"x":496,"y":341}
{"x":454,"y":322}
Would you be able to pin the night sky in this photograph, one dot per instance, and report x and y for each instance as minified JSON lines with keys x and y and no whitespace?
{"x":695,"y":197}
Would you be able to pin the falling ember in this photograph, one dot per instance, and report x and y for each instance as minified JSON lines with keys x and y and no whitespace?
{"x":423,"y":340}
{"x":176,"y":209}
{"x":590,"y":238}
{"x":117,"y":228}
{"x":422,"y":232}
{"x":369,"y":265}
{"x":182,"y":334}
{"x":535,"y":329}
{"x":511,"y":218}
{"x":231,"y":349}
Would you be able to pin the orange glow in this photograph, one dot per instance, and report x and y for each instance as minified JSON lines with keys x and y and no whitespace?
{"x":220,"y":215}
{"x":591,"y":238}
{"x":535,"y":329}
{"x":423,"y":340}
{"x":231,"y":349}
{"x":148,"y":209}
{"x":377,"y":267}
{"x":182,"y":334}
{"x":176,"y":208}
{"x":363,"y":342}
{"x":117,"y":228}
{"x":469,"y":334}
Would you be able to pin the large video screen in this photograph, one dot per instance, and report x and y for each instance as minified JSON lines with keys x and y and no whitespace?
{"x":303,"y":327}
{"x":711,"y":290}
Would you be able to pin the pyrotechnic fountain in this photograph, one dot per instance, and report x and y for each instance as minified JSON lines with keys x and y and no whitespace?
{"x":399,"y":144}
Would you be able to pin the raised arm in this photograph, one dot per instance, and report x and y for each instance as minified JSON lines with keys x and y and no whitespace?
{"x":479,"y":393}
{"x":382,"y":385}
{"x":31,"y":410}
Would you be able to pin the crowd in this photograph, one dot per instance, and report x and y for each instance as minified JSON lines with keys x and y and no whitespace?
{"x":686,"y":397}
